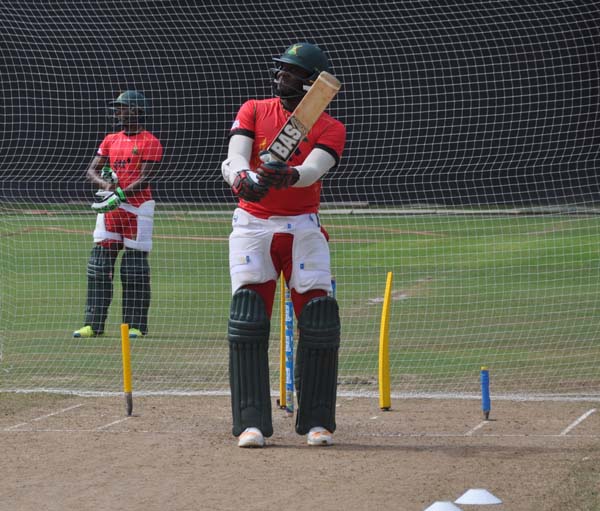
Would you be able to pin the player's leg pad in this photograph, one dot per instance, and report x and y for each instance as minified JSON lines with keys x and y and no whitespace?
{"x":135,"y":279}
{"x":248,"y":333}
{"x":100,"y":267}
{"x":317,"y":364}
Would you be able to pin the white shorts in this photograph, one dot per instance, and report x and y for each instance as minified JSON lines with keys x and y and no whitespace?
{"x":250,"y":251}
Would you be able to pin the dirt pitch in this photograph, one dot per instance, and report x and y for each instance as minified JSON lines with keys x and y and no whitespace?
{"x":62,"y":453}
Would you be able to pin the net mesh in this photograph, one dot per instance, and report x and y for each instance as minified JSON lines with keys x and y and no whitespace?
{"x":469,"y":172}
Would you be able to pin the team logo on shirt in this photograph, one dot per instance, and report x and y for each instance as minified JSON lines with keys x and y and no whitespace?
{"x":134,"y":150}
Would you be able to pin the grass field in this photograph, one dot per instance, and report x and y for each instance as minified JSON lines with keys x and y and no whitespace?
{"x":515,"y":292}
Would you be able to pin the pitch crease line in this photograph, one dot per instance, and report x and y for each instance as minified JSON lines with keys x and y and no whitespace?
{"x":42,"y":417}
{"x":565,"y":431}
{"x":480,"y":425}
{"x":482,"y":436}
{"x":100,"y":428}
{"x":12,"y":428}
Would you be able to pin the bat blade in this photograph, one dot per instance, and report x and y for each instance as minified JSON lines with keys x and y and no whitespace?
{"x":305,"y":115}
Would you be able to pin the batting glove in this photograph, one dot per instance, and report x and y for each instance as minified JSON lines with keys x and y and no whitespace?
{"x":110,"y":200}
{"x":109,"y":175}
{"x":247,"y":188}
{"x":275,"y":173}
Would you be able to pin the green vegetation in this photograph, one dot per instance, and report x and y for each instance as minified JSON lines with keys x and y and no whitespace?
{"x":517,"y":293}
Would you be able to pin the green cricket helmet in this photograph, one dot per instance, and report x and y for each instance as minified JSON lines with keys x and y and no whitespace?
{"x":134,"y":113}
{"x":306,"y":56}
{"x":132,"y":99}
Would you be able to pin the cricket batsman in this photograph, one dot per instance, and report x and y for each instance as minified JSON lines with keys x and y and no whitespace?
{"x":123,"y":170}
{"x":276,"y":228}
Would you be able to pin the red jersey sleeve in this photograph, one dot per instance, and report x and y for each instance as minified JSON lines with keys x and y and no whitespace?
{"x":245,"y":119}
{"x":104,"y":148}
{"x":333,"y":138}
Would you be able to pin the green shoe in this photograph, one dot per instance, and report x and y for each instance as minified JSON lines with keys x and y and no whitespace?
{"x":134,"y":333}
{"x":86,"y":331}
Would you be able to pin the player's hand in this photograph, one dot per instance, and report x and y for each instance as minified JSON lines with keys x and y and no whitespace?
{"x":275,"y":173}
{"x":109,"y":175}
{"x":110,"y":200}
{"x":247,"y":188}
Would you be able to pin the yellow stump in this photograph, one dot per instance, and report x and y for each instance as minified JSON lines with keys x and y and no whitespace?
{"x":282,"y":392}
{"x":126,"y":352}
{"x":384,"y":352}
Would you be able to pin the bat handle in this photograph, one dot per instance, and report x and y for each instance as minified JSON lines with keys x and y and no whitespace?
{"x":265,"y":156}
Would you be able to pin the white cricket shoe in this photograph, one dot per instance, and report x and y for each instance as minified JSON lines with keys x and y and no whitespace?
{"x":251,"y":437}
{"x":319,"y":436}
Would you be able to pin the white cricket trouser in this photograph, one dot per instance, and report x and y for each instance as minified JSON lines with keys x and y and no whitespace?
{"x":250,"y":251}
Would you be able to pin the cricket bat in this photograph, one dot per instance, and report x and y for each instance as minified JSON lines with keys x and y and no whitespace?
{"x":312,"y":105}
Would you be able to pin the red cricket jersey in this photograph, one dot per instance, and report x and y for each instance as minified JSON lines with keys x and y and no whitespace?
{"x":262,"y":120}
{"x":126,"y":153}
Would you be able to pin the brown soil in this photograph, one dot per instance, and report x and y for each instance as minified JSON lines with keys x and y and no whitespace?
{"x":177,"y":453}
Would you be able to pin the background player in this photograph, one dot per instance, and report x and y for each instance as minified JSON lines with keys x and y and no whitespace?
{"x":276,"y":228}
{"x":125,"y":218}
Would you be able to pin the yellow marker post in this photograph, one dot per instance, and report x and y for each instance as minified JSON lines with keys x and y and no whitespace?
{"x":384,"y":352}
{"x":282,"y":392}
{"x":126,"y":352}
